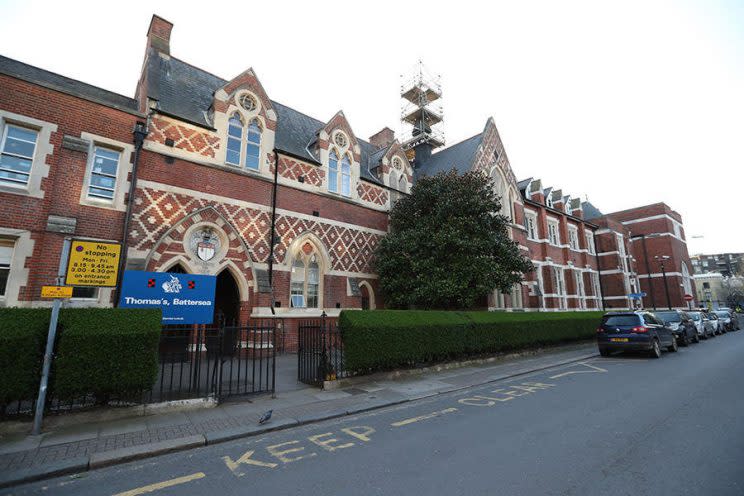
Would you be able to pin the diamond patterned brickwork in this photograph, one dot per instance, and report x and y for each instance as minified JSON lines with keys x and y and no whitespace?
{"x":292,"y":169}
{"x":156,"y":212}
{"x":184,"y":137}
{"x":372,"y":194}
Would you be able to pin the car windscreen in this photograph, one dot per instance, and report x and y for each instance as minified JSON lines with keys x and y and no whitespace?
{"x":723,"y":315}
{"x":620,"y":320}
{"x":695,"y":316}
{"x":669,"y":316}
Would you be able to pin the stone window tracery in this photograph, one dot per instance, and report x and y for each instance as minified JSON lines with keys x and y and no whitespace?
{"x":305,"y":278}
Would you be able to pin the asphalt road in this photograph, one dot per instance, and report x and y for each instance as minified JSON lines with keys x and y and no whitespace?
{"x":619,"y":425}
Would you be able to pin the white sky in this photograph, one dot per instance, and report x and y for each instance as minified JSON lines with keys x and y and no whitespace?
{"x":628,"y":103}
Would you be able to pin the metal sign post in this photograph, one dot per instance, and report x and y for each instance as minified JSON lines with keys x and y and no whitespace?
{"x":41,"y":400}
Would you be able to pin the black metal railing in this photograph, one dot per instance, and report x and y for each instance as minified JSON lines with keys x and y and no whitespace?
{"x":320,"y":351}
{"x":193,"y":362}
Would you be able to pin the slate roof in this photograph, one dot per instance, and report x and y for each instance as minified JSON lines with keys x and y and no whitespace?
{"x":590,"y":211}
{"x":522,"y":185}
{"x":459,"y":156}
{"x":51,"y":80}
{"x":186,"y":92}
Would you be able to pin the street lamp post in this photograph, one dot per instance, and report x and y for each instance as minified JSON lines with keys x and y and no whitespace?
{"x":661,"y":260}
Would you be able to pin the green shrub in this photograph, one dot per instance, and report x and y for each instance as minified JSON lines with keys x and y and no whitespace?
{"x":23,"y":334}
{"x":385,"y":339}
{"x":106,"y":351}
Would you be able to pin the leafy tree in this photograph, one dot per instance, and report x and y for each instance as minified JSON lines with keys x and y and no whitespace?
{"x":448,"y":245}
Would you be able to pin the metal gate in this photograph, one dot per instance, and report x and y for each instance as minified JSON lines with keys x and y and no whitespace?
{"x":320,"y":351}
{"x":222,"y":361}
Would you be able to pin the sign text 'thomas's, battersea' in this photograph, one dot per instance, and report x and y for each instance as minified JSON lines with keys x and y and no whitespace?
{"x":183,"y":298}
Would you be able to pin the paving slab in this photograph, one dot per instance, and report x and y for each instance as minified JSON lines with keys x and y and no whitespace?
{"x":122,"y":426}
{"x":121,"y":455}
{"x":247,"y":430}
{"x":70,"y":434}
{"x":19,"y":442}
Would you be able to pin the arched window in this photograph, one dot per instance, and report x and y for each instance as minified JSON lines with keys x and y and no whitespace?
{"x":393,"y":183}
{"x":333,"y":172}
{"x":253,"y":146}
{"x":236,"y":134}
{"x":402,"y":184}
{"x":346,"y":176}
{"x":305,"y":279}
{"x":234,"y":138}
{"x":686,"y":281}
{"x":500,"y":188}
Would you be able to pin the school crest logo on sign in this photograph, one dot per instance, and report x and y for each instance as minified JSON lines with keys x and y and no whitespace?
{"x":205,"y":244}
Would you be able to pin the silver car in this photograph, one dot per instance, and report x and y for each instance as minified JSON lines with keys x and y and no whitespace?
{"x":725,"y":322}
{"x":702,"y":324}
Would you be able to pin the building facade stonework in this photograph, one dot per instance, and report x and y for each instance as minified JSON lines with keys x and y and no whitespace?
{"x":222,"y":162}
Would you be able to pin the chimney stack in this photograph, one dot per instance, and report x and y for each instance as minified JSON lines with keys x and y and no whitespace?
{"x":158,"y":35}
{"x":383,"y":138}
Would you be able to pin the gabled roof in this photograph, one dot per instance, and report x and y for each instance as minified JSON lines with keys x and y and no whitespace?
{"x":590,"y":211}
{"x":186,"y":92}
{"x":459,"y":156}
{"x":51,"y":80}
{"x":522,"y":185}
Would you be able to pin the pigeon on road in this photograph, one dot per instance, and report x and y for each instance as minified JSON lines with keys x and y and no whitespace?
{"x":265,"y":417}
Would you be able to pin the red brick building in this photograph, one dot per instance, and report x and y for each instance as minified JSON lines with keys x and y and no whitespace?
{"x":222,"y":162}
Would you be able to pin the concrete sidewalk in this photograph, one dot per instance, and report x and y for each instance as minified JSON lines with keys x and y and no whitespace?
{"x":87,"y":446}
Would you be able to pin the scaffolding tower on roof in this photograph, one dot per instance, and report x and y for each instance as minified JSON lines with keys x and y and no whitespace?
{"x":421,"y":113}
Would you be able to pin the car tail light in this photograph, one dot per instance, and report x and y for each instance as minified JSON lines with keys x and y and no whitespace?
{"x":639,"y":329}
{"x":599,"y":329}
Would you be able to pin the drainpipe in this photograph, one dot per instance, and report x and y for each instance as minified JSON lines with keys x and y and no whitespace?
{"x":272,"y":232}
{"x":140,"y":133}
{"x":599,"y":269}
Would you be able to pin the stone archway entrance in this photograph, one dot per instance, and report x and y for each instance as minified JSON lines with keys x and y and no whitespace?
{"x":226,"y":299}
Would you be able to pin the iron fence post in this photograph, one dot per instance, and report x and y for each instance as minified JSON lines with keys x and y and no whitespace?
{"x":324,"y":352}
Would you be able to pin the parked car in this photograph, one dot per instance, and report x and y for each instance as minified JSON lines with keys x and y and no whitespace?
{"x":634,"y":331}
{"x":713,"y":322}
{"x":681,"y":324}
{"x":704,"y":330}
{"x":736,"y":325}
{"x":725,"y":321}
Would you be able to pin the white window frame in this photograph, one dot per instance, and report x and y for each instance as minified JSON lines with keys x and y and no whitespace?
{"x":3,"y":142}
{"x":590,"y":243}
{"x":573,"y":238}
{"x":114,"y":176}
{"x":6,"y":244}
{"x":39,"y":167}
{"x":531,"y":225}
{"x":554,"y":235}
{"x":124,"y":167}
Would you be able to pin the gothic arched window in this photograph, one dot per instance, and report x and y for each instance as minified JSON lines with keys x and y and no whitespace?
{"x":248,"y":156}
{"x":305,"y":278}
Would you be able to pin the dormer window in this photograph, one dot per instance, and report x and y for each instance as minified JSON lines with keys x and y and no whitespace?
{"x":549,"y":201}
{"x":248,"y":156}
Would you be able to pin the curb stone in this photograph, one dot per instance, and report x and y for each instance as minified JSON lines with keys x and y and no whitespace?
{"x":107,"y":458}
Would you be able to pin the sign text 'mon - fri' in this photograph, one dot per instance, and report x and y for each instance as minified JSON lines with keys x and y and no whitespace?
{"x":93,"y":263}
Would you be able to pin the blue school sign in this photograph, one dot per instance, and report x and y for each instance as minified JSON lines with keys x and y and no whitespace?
{"x":183,"y":298}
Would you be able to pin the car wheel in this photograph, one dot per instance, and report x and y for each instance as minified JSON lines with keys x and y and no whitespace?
{"x":685,"y":340}
{"x":673,"y":347}
{"x":655,"y":349}
{"x":604,"y":352}
{"x":695,"y":338}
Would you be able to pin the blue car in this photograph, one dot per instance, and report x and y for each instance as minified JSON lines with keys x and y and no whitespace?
{"x":634,"y":331}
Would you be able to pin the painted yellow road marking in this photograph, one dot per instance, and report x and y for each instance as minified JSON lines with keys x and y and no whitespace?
{"x":162,"y":485}
{"x":504,"y":395}
{"x":246,"y":459}
{"x":363,"y":435}
{"x":281,"y":454}
{"x":571,"y":372}
{"x":327,"y":444}
{"x":401,"y":423}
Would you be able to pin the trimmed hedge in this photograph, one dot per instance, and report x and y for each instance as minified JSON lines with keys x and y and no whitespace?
{"x":106,"y":351}
{"x":385,"y":339}
{"x":23,"y":333}
{"x":99,"y":351}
